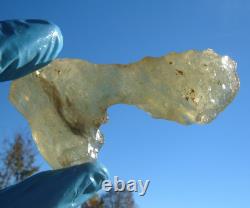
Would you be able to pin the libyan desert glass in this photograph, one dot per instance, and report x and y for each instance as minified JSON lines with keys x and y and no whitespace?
{"x":66,"y":102}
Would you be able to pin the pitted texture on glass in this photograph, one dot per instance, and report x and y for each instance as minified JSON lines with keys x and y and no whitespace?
{"x":66,"y":102}
{"x":27,"y":45}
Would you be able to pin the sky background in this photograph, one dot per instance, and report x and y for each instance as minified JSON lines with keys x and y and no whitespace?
{"x":189,"y":166}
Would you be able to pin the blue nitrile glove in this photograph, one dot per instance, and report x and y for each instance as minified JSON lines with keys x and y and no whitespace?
{"x":64,"y":188}
{"x":27,"y":45}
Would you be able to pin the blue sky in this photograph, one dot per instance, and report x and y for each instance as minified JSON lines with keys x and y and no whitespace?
{"x":189,"y":166}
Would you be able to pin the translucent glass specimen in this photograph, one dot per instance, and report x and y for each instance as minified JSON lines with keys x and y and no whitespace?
{"x":66,"y":101}
{"x":27,"y":45}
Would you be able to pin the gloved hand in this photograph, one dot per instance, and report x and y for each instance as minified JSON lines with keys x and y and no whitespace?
{"x":64,"y":188}
{"x":27,"y":45}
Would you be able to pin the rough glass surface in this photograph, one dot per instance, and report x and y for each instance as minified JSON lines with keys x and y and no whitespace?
{"x":66,"y":102}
